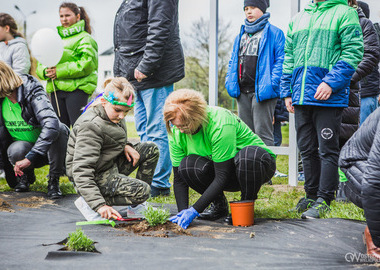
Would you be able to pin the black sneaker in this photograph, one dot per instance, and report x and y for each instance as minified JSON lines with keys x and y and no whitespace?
{"x":303,"y":204}
{"x":217,"y":209}
{"x":319,"y":208}
{"x":22,"y":183}
{"x":154,"y":191}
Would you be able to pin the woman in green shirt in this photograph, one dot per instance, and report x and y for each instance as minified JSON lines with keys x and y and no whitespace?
{"x":31,"y":135}
{"x":212,"y":151}
{"x":75,"y":76}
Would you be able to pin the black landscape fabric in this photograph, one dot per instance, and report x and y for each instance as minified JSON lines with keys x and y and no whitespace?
{"x":269,"y":244}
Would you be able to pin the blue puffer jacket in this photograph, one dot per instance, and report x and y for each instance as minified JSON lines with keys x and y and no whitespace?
{"x":269,"y":64}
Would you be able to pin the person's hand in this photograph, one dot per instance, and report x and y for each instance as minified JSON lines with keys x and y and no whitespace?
{"x":108,"y":212}
{"x":51,"y":73}
{"x":288,"y":104}
{"x":21,"y":165}
{"x":131,"y":154}
{"x":175,"y":218}
{"x":139,"y":76}
{"x":324,"y":91}
{"x":186,"y":217}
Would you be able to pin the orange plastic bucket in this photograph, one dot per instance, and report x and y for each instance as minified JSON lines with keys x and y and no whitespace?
{"x":242,"y":213}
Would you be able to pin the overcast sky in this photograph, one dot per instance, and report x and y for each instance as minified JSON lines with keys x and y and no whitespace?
{"x":102,"y":13}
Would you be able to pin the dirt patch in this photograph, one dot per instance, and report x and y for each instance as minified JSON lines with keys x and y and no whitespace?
{"x":34,"y":202}
{"x":162,"y":230}
{"x":5,"y":206}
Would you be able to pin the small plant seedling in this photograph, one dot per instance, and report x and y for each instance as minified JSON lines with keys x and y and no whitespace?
{"x":78,"y":241}
{"x":156,"y":216}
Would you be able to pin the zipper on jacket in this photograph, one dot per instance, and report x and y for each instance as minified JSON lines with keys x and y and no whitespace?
{"x":306,"y":51}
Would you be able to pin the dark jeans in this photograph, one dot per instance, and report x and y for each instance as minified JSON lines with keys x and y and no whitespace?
{"x":318,"y":141}
{"x":253,"y":167}
{"x":277,"y":135}
{"x":70,"y":104}
{"x":55,"y":156}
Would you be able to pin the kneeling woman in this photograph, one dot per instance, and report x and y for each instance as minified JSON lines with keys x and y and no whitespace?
{"x":31,"y":135}
{"x":212,"y":151}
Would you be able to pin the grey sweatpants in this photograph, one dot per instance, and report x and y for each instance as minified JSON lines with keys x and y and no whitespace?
{"x":258,"y":115}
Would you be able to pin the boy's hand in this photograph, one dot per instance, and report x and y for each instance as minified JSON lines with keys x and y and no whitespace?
{"x":323,"y":92}
{"x":51,"y":73}
{"x":108,"y":212}
{"x":131,"y":154}
{"x":139,"y":76}
{"x":288,"y":104}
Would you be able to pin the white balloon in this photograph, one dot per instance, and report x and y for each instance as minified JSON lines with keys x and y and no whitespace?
{"x":47,"y":47}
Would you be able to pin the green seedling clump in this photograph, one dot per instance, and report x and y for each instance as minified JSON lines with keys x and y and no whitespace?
{"x":155,"y":216}
{"x":78,"y":241}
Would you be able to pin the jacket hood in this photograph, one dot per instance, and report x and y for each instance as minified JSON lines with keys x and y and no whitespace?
{"x":360,"y":13}
{"x":17,"y":40}
{"x":29,"y":85}
{"x":325,"y":5}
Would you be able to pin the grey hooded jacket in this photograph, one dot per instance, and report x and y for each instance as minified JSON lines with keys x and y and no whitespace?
{"x":16,"y":55}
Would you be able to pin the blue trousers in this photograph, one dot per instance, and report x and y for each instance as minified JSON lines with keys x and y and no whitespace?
{"x":150,"y":126}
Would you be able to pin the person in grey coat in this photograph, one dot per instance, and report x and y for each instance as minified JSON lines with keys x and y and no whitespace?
{"x":13,"y":47}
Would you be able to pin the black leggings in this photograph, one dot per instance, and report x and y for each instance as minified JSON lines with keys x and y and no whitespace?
{"x":252,"y":167}
{"x":70,"y":104}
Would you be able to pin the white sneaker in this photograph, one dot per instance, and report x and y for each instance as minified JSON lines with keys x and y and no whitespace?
{"x":279,"y":174}
{"x":137,"y":210}
{"x":2,"y":173}
{"x":87,"y":212}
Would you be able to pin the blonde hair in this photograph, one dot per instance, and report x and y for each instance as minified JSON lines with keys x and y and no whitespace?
{"x":189,"y":105}
{"x":9,"y":81}
{"x":121,"y":88}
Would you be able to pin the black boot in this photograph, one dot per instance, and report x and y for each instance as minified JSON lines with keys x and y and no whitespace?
{"x":217,"y":209}
{"x":31,"y":176}
{"x":23,"y":183}
{"x":53,"y":188}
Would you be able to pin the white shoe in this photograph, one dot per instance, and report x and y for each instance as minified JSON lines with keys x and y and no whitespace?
{"x":279,"y":174}
{"x":137,"y":210}
{"x":87,"y":212}
{"x":2,"y":173}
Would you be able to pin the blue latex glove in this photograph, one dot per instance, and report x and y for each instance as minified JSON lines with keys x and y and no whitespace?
{"x":175,"y":218}
{"x":187,"y":217}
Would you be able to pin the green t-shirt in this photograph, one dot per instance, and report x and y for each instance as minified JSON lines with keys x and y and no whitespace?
{"x":16,"y":125}
{"x":219,"y":140}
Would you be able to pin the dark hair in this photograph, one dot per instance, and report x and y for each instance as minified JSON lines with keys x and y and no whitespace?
{"x":6,"y":19}
{"x":352,"y":3}
{"x":78,"y":10}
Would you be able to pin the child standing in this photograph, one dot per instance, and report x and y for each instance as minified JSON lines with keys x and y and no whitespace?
{"x":100,"y":158}
{"x":324,"y":46}
{"x":255,"y":69}
{"x":13,"y":48}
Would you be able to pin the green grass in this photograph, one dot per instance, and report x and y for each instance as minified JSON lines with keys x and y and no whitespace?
{"x":78,"y":241}
{"x":156,"y":216}
{"x":273,"y":201}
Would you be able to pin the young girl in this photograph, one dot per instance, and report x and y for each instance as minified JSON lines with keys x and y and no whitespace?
{"x":100,"y":158}
{"x":75,"y":76}
{"x":13,"y":47}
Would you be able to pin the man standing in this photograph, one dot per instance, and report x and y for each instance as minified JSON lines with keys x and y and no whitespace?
{"x":148,"y":53}
{"x":324,"y":45}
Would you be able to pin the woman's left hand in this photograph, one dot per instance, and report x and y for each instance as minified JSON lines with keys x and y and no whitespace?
{"x":21,"y":165}
{"x":131,"y":154}
{"x":51,"y":73}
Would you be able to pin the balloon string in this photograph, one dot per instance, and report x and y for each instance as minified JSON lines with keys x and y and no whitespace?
{"x":56,"y":99}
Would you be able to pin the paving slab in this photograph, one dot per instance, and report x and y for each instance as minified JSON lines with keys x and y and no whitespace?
{"x":269,"y":244}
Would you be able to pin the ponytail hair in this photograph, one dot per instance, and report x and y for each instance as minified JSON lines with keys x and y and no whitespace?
{"x":81,"y":11}
{"x":6,"y":19}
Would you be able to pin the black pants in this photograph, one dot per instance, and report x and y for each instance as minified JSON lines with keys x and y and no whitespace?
{"x":318,"y":141}
{"x":55,"y":157}
{"x":70,"y":104}
{"x":253,"y":167}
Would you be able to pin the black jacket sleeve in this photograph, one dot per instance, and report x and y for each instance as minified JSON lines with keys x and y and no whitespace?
{"x":181,"y":191}
{"x":222,"y":176}
{"x":371,"y":51}
{"x":161,"y":24}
